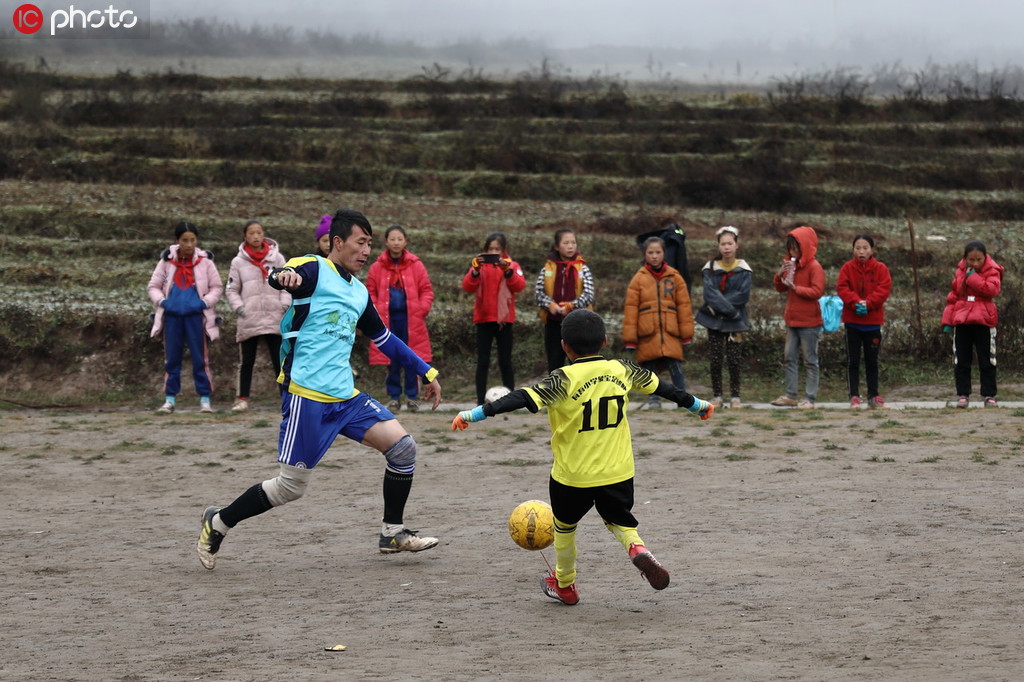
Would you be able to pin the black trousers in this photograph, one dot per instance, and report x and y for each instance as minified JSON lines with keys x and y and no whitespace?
{"x":968,"y":340}
{"x":869,"y":343}
{"x":486,"y":334}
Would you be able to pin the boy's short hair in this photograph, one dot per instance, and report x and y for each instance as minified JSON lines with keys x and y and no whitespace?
{"x":343,"y":221}
{"x":583,"y":331}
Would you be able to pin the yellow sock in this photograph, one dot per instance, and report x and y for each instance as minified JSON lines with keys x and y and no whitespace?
{"x":626,"y":536}
{"x":565,"y":553}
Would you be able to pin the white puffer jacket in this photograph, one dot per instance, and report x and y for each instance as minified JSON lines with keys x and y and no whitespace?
{"x":247,"y":289}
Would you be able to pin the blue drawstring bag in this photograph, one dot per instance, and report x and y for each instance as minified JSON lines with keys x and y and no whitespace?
{"x":831,"y":312}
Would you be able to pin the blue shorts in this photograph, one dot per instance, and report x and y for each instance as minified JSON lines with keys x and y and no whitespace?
{"x":309,"y":427}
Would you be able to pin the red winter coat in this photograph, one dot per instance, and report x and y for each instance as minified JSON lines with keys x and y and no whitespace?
{"x":419,"y":297}
{"x":970,"y":300}
{"x":802,"y":307}
{"x":864,"y":281}
{"x":492,"y":304}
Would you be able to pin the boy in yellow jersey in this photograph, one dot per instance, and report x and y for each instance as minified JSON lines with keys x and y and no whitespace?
{"x":593,"y":450}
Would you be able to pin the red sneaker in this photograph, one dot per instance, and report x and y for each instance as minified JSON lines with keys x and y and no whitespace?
{"x":566,"y":595}
{"x":876,"y":402}
{"x":649,"y":567}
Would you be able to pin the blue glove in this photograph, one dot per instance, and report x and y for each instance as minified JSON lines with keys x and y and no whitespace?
{"x":969,"y":273}
{"x":947,"y":328}
{"x":860,"y":309}
{"x":701,"y":408}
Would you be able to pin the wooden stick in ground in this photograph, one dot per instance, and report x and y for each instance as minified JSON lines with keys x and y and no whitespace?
{"x":918,"y":329}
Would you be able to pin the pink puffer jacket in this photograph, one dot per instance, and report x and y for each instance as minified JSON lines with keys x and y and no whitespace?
{"x":247,"y":288}
{"x":208,"y":285}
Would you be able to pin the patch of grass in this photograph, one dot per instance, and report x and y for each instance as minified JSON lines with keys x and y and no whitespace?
{"x":522,"y":438}
{"x":787,"y":470}
{"x":260,"y":424}
{"x":793,"y":451}
{"x":748,"y":446}
{"x":206,"y":465}
{"x":643,"y":453}
{"x":876,"y":458}
{"x":833,"y":446}
{"x":735,"y":457}
{"x":719,"y":431}
{"x":889,"y":424}
{"x":788,"y":433}
{"x":828,"y":458}
{"x":930,"y":460}
{"x":242,"y":442}
{"x":171,"y":450}
{"x":890,"y":441}
{"x":762,"y":426}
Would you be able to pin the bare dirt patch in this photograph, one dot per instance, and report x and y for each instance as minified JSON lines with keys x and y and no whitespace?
{"x":815,"y":545}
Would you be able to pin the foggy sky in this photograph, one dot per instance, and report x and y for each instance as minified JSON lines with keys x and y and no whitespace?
{"x":947,"y":30}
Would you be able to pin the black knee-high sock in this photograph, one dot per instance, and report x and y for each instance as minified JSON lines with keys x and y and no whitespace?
{"x":252,"y":502}
{"x":396,"y":492}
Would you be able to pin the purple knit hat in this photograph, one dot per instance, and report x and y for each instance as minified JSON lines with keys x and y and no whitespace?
{"x":324,"y":227}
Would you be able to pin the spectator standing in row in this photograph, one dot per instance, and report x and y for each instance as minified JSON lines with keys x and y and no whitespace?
{"x":400,"y":289}
{"x":495,"y":279}
{"x":971,"y":315}
{"x":185,"y":287}
{"x":258,"y":306}
{"x":864,"y":285}
{"x":564,"y":284}
{"x":658,"y":317}
{"x":727,"y":284}
{"x":803,"y":279}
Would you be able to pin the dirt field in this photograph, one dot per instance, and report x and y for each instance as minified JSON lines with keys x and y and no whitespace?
{"x":817,"y":545}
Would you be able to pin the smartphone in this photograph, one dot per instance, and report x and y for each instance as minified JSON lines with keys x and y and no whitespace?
{"x":490,"y":258}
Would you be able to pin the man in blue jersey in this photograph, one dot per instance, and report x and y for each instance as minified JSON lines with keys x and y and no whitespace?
{"x":319,"y":399}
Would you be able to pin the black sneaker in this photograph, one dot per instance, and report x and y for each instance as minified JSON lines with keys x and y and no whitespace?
{"x":209,"y":539}
{"x":405,"y":541}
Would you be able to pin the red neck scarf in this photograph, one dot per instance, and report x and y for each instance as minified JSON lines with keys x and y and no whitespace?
{"x":394,"y":265}
{"x":185,"y":273}
{"x":659,"y":273}
{"x":256,"y":257}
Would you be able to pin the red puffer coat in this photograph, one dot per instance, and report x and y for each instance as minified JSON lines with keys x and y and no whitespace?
{"x":970,"y":300}
{"x":419,"y":297}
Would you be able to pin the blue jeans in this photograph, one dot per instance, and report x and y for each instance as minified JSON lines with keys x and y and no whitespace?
{"x":802,"y":341}
{"x":399,"y":326}
{"x":675,"y":371}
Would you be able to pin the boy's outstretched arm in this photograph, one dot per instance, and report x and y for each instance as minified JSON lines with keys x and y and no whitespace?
{"x":701,"y":408}
{"x":513,"y":401}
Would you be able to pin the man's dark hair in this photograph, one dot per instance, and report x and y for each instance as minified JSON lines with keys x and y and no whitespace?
{"x":344,"y":219}
{"x":583,"y":331}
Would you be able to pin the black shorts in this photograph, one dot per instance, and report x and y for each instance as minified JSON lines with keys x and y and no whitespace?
{"x":614,"y":502}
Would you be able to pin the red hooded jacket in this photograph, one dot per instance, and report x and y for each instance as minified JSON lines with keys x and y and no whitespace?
{"x":864,"y":281}
{"x":802,"y":307}
{"x":970,"y":300}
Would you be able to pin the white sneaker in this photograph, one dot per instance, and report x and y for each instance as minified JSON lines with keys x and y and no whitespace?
{"x":240,"y":405}
{"x":735,"y":403}
{"x":204,"y":406}
{"x":717,"y":402}
{"x":406,"y":541}
{"x":166,"y":408}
